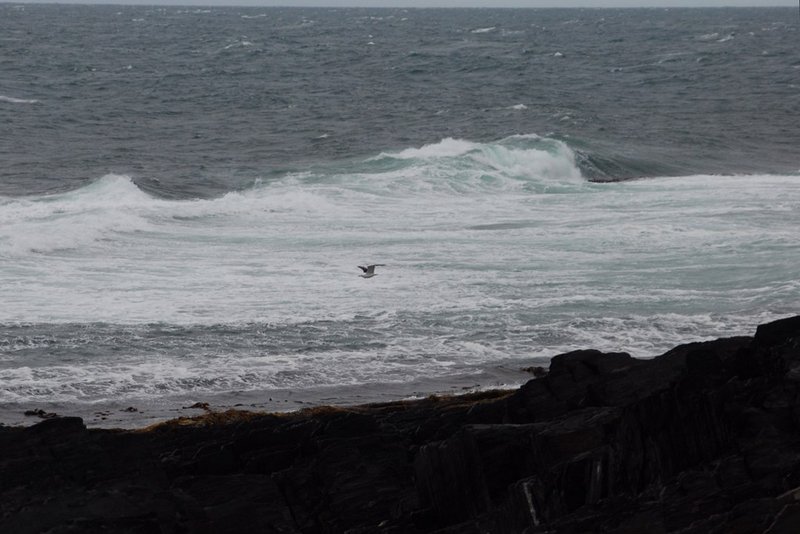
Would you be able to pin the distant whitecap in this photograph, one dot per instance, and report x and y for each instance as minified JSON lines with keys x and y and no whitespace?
{"x":13,"y":100}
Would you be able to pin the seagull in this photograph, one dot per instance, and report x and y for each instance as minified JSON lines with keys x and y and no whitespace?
{"x":369,"y":270}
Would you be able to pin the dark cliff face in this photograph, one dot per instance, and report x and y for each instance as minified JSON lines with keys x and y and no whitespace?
{"x":704,"y":439}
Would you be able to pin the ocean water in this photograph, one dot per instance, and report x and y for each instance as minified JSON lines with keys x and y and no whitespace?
{"x":186,"y":194}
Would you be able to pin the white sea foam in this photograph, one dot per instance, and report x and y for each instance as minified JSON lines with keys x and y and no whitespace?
{"x":517,"y":156}
{"x":71,"y":220}
{"x":232,"y":245}
{"x":494,"y":252}
{"x":484,"y":30}
{"x":446,"y":148}
{"x":455,"y":166}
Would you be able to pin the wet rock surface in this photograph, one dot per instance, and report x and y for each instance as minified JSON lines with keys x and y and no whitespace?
{"x":703,"y":439}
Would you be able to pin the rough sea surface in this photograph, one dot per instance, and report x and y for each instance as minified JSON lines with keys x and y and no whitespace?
{"x":185,"y":195}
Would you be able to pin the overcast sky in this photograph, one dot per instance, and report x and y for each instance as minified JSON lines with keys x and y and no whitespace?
{"x":448,"y":3}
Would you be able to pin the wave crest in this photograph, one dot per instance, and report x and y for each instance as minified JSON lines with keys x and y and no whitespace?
{"x":521,"y":162}
{"x":73,"y":219}
{"x":113,"y":207}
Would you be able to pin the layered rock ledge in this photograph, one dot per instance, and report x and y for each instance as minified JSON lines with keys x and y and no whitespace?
{"x":703,"y":439}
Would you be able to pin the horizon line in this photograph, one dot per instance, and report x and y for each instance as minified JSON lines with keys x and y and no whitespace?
{"x":179,"y":3}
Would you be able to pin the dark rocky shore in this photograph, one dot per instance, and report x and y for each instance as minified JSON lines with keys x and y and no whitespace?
{"x":704,"y":439}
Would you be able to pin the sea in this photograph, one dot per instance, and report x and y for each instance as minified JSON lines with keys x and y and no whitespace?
{"x":186,"y":195}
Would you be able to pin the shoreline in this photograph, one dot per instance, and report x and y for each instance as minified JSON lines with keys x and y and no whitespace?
{"x":131,"y":414}
{"x":704,"y":438}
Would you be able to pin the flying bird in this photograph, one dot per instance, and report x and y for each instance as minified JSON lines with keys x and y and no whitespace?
{"x":369,"y":270}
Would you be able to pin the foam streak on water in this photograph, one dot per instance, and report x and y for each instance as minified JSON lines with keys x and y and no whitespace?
{"x":496,"y":254}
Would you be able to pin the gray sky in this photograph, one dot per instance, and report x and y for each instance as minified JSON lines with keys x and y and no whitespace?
{"x":449,"y":3}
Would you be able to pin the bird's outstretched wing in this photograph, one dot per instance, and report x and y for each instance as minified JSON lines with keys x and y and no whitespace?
{"x":371,"y":268}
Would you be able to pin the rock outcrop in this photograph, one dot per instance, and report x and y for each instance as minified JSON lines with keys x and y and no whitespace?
{"x":703,"y":439}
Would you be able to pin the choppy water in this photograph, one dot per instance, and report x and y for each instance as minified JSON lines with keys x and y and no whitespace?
{"x":185,"y":194}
